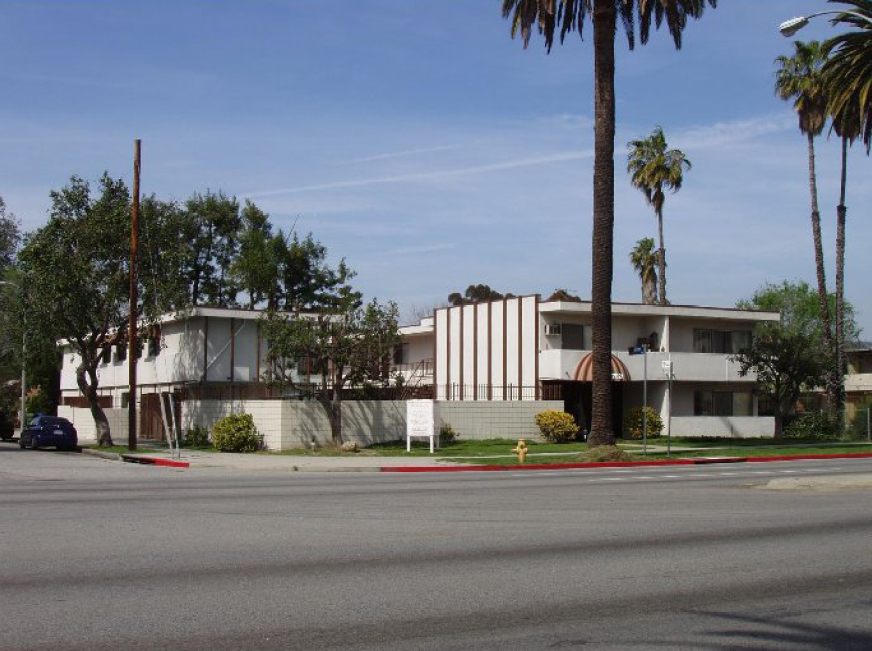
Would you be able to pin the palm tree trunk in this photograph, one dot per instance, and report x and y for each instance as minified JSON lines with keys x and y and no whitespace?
{"x":842,"y":212}
{"x":823,"y":300}
{"x":603,"y":220}
{"x":661,"y":259}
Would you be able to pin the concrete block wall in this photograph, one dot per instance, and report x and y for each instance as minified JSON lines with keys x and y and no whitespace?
{"x":725,"y":426}
{"x":363,"y":421}
{"x":474,"y":420}
{"x":82,"y":420}
{"x":267,"y":415}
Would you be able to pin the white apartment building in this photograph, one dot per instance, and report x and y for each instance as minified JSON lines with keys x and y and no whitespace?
{"x":527,"y":349}
{"x":517,"y":350}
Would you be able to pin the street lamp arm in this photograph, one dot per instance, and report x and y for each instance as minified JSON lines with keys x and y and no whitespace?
{"x":790,"y":27}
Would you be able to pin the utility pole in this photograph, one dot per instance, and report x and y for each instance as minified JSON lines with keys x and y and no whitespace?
{"x":131,"y":326}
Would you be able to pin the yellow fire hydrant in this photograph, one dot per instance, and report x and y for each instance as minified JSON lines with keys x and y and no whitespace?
{"x":521,"y":450}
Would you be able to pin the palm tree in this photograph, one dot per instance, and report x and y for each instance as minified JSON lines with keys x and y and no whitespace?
{"x":847,"y":77}
{"x":655,"y":169}
{"x":568,"y":16}
{"x":644,"y":260}
{"x":800,"y":78}
{"x":848,"y":70}
{"x":846,"y":124}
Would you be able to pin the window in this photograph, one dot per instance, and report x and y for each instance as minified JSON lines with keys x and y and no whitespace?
{"x":401,"y":354}
{"x":725,"y":342}
{"x":702,"y":341}
{"x":120,"y":352}
{"x":153,"y":346}
{"x":743,"y":403}
{"x":765,"y":406}
{"x":572,"y":337}
{"x":723,"y":403}
{"x":702,"y":403}
{"x":105,"y":355}
{"x":741,"y":340}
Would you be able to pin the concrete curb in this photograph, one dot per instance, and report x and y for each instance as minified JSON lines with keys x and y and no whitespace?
{"x":112,"y":456}
{"x":153,"y":461}
{"x":622,"y":464}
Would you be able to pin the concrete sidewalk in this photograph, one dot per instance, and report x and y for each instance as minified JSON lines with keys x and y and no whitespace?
{"x":286,"y":462}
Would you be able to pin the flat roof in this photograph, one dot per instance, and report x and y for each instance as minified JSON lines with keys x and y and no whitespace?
{"x":640,"y":309}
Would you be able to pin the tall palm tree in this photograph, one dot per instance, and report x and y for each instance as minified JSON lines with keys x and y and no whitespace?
{"x":848,"y":69}
{"x":846,"y":124}
{"x":655,"y":168}
{"x":568,"y":16}
{"x":847,"y":77}
{"x":643,"y":257}
{"x":799,"y":77}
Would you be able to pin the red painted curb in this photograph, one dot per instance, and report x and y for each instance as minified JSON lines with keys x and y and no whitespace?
{"x":537,"y":466}
{"x":152,"y":461}
{"x":620,"y":464}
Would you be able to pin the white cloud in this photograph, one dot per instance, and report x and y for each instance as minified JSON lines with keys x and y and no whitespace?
{"x":556,"y":157}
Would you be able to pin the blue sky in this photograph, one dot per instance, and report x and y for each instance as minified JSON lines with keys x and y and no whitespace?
{"x":421,"y":143}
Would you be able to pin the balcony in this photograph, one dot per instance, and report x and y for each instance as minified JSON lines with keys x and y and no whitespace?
{"x":557,"y":364}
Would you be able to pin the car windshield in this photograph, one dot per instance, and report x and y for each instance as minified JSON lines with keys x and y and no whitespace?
{"x":49,"y":420}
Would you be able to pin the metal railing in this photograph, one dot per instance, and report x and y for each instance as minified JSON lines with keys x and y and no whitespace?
{"x":507,"y":392}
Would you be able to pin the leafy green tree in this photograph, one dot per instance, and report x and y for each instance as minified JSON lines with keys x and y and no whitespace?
{"x":654,"y":168}
{"x":256,"y":268}
{"x":788,"y":356}
{"x":346,"y":346}
{"x":212,"y":226}
{"x":799,"y":77}
{"x":567,"y":16}
{"x":477,"y":294}
{"x":10,"y":336}
{"x":10,"y":236}
{"x":308,"y":281}
{"x":643,"y":257}
{"x":76,"y":269}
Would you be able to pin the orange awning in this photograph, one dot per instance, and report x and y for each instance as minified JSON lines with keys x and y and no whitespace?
{"x":584,"y":371}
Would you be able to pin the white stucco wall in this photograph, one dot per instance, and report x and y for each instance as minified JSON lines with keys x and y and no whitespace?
{"x":724,"y":426}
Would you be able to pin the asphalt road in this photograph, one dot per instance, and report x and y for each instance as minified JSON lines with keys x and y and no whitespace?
{"x":97,"y":554}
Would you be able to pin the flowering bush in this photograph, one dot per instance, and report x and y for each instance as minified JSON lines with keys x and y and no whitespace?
{"x":556,"y":426}
{"x":236,"y":433}
{"x":633,"y":423}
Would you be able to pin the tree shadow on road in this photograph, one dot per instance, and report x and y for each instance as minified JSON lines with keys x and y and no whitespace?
{"x":764,"y":633}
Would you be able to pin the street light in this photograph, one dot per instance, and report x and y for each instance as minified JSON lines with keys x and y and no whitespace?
{"x":23,"y":352}
{"x":790,"y":27}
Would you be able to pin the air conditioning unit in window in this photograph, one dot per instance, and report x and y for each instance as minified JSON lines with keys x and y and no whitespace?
{"x":552,"y":329}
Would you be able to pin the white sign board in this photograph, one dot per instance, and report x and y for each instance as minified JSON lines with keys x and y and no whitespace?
{"x":420,"y":422}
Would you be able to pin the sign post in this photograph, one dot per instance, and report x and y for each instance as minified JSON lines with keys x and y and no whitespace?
{"x":420,"y":422}
{"x":643,"y":351}
{"x":667,"y":369}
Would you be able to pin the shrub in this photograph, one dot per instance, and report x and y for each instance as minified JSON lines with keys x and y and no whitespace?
{"x":603,"y":453}
{"x":556,"y":426}
{"x":819,"y":425}
{"x":196,"y":437}
{"x":448,"y":434}
{"x":633,"y":423}
{"x":236,"y":433}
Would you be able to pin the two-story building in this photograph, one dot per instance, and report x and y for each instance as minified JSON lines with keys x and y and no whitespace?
{"x":516,"y":350}
{"x":528,"y":349}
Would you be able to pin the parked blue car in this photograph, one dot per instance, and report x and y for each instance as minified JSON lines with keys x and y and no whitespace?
{"x":49,"y":432}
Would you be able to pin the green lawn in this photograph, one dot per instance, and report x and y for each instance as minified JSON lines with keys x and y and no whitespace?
{"x":483,"y":448}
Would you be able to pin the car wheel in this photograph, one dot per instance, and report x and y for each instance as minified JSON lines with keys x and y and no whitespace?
{"x":33,"y":444}
{"x":21,"y":443}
